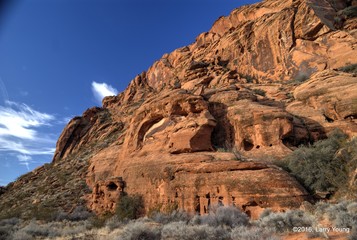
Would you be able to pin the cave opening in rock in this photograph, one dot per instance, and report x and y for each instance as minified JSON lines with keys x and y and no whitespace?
{"x":328,"y":119}
{"x":146,"y":126}
{"x":247,"y":145}
{"x":291,"y":142}
{"x":288,"y":141}
{"x":208,"y":197}
{"x":112,"y":186}
{"x":197,"y":204}
{"x":351,"y":117}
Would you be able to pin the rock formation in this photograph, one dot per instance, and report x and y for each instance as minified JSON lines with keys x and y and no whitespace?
{"x":202,"y":124}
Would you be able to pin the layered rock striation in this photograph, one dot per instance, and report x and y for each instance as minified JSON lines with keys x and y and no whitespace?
{"x":202,"y":125}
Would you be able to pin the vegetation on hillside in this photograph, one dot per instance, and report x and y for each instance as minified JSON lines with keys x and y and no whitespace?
{"x":223,"y":222}
{"x":326,"y":165}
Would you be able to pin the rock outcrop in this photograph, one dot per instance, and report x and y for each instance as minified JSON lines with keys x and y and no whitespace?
{"x":235,"y":89}
{"x":202,"y":124}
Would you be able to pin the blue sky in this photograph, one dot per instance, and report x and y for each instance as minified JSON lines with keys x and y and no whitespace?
{"x":60,"y":57}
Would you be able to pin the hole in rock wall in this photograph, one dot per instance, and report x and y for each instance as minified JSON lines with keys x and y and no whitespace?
{"x":223,"y":134}
{"x":112,"y":186}
{"x":197,"y":204}
{"x":145,"y":127}
{"x":328,"y":119}
{"x":247,"y":145}
{"x":292,"y":142}
{"x":351,"y":117}
{"x":288,"y":141}
{"x":208,"y":197}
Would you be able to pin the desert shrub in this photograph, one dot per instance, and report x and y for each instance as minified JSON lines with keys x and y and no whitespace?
{"x":21,"y":235}
{"x":10,"y":221}
{"x":41,"y":212}
{"x":5,"y":231}
{"x":349,"y":12}
{"x":99,"y":221}
{"x":301,"y":77}
{"x":7,"y":226}
{"x":182,"y":231}
{"x":113,"y":222}
{"x":342,"y":214}
{"x":36,"y":230}
{"x":260,"y":92}
{"x":352,"y":208}
{"x":249,"y":78}
{"x":129,"y":207}
{"x":252,"y":233}
{"x":223,"y":216}
{"x":80,"y":213}
{"x":73,"y":229}
{"x":352,"y":68}
{"x":285,"y":221}
{"x":139,"y":230}
{"x":175,"y":216}
{"x":353,"y":234}
{"x":317,"y":166}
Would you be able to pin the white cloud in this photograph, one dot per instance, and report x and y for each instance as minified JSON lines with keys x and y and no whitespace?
{"x":101,"y":90}
{"x":20,"y":133}
{"x":25,"y":160}
{"x":17,"y":120}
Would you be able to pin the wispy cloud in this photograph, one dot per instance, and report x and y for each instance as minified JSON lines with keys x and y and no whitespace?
{"x":18,"y":120}
{"x":20,"y":131}
{"x":101,"y":90}
{"x":24,"y":160}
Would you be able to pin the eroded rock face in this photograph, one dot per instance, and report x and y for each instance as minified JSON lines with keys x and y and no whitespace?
{"x":176,"y":122}
{"x":195,"y":182}
{"x":177,"y":133}
{"x":96,"y":124}
{"x":219,"y":94}
{"x":330,"y":98}
{"x":269,"y":41}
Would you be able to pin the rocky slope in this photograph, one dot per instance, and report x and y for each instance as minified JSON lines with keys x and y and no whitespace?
{"x":203,"y":123}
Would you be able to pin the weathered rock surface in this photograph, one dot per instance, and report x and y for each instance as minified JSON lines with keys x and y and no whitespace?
{"x":329,"y":98}
{"x":202,"y":124}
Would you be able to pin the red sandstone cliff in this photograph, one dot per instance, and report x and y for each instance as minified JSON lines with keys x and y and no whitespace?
{"x":202,"y":124}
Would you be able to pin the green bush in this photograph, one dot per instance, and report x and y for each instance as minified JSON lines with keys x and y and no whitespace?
{"x":349,"y":12}
{"x":319,"y":167}
{"x":260,"y":92}
{"x":130,"y":207}
{"x":352,"y":68}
